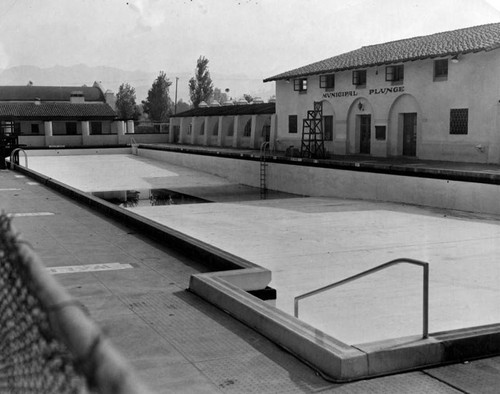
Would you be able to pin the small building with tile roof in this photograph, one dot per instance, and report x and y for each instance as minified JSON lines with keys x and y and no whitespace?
{"x":430,"y":97}
{"x":69,"y":116}
{"x":41,"y":116}
{"x":236,"y":125}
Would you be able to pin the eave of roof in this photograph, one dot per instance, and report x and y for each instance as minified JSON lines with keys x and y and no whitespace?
{"x":450,"y":43}
{"x":54,"y":111}
{"x":49,"y":93}
{"x":230,"y":110}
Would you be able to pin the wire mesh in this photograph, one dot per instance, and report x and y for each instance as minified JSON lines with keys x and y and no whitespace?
{"x":32,"y":359}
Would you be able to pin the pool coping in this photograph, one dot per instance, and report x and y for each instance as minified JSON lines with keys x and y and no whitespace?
{"x":232,"y":277}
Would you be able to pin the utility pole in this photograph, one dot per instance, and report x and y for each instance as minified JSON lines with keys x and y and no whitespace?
{"x":175,"y":105}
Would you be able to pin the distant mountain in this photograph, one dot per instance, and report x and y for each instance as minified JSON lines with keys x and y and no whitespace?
{"x":111,"y":78}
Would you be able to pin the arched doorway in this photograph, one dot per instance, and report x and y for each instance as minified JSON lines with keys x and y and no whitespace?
{"x":404,"y":127}
{"x":360,"y":127}
{"x":265,"y":135}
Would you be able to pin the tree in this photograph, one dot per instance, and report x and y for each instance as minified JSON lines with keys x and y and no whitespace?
{"x":219,"y":96}
{"x":200,"y":86}
{"x":182,"y":106}
{"x":248,"y":98}
{"x":157,"y":105}
{"x":125,"y":102}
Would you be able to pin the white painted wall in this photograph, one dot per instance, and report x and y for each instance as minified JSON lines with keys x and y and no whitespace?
{"x":312,"y":181}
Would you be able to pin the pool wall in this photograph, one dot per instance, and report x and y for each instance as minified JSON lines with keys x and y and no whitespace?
{"x":327,"y":182}
{"x":334,"y":359}
{"x":73,"y":152}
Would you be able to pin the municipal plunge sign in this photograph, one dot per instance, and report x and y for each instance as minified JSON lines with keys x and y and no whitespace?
{"x":353,"y":93}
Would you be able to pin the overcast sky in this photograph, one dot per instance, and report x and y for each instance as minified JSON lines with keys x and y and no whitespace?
{"x":259,"y":38}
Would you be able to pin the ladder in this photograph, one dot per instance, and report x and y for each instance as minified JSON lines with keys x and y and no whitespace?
{"x":313,"y":143}
{"x":134,"y":145}
{"x":14,"y":158}
{"x":263,"y":166}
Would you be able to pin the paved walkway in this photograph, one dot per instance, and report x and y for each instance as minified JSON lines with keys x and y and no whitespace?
{"x":177,"y":341}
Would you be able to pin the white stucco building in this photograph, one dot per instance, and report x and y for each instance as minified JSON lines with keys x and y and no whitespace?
{"x":240,"y":125}
{"x":431,"y":97}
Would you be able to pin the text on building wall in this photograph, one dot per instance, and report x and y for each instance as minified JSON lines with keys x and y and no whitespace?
{"x":353,"y":93}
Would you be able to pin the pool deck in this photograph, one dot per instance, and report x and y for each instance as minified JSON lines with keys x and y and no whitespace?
{"x":179,"y":343}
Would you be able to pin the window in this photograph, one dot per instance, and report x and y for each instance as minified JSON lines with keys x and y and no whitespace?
{"x":230,"y":129}
{"x":394,"y":73}
{"x":292,"y":124}
{"x":202,"y":128}
{"x":459,"y":120}
{"x":300,"y":85}
{"x":327,"y":81}
{"x":247,"y":132}
{"x":359,"y":77}
{"x":441,"y":70}
{"x":380,"y":133}
{"x":215,"y":130}
{"x":95,"y":128}
{"x":35,"y":128}
{"x":9,"y":127}
{"x":71,"y":128}
{"x":6,"y":127}
{"x":328,"y":127}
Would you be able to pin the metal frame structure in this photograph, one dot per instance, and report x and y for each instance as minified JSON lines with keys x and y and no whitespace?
{"x":8,"y":141}
{"x":313,"y":140}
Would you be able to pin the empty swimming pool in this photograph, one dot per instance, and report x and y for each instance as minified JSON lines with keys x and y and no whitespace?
{"x":311,"y":242}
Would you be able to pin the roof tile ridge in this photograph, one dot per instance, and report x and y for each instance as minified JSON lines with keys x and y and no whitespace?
{"x":425,"y":36}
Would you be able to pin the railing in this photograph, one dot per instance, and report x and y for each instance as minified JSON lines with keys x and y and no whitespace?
{"x":263,"y":148}
{"x":263,"y":188}
{"x":133,"y":146}
{"x":424,"y":265}
{"x":14,"y":154}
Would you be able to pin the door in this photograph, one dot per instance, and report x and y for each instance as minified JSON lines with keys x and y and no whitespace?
{"x":364,"y":133}
{"x":177,"y":131}
{"x":410,"y":134}
{"x":266,"y":133}
{"x":328,"y":128}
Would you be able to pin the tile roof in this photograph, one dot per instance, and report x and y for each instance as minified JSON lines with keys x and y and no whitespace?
{"x":54,"y":111}
{"x":48,"y":93}
{"x":462,"y":41}
{"x":230,"y":110}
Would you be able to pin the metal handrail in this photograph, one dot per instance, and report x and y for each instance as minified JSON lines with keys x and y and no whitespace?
{"x":133,"y":146}
{"x":423,"y":264}
{"x":13,"y":154}
{"x":263,"y":147}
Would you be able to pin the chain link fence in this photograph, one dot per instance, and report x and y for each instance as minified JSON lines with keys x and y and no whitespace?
{"x":48,"y":343}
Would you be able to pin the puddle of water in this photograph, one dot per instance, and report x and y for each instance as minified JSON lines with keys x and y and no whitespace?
{"x":144,"y":198}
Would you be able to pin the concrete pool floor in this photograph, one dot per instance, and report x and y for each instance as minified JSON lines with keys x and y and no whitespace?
{"x":260,"y":368}
{"x":308,"y":243}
